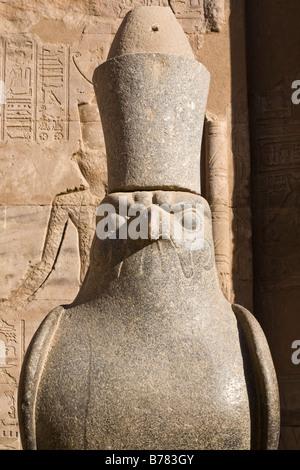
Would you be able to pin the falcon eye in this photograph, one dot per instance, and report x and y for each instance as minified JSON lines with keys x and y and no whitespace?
{"x":109,"y":224}
{"x":119,"y":220}
{"x":190,"y":219}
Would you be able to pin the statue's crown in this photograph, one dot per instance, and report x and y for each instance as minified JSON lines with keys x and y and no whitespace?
{"x":151,"y":94}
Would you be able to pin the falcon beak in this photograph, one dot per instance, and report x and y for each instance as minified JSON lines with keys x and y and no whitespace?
{"x":158,"y":229}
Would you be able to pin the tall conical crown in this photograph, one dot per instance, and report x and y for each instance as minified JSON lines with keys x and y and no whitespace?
{"x":152,"y":94}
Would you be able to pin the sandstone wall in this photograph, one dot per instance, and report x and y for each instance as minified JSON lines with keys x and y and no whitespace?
{"x":53,"y":169}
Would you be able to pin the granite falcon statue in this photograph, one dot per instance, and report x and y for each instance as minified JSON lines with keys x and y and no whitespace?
{"x":150,"y":355}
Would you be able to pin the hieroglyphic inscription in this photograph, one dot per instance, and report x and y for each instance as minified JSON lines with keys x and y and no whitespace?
{"x":36,"y":79}
{"x":9,"y":363}
{"x":279,"y":144}
{"x":272,"y":189}
{"x":52,"y":93}
{"x":203,"y":15}
{"x":19,"y":72}
{"x":127,"y":5}
{"x":208,"y":15}
{"x":276,"y":104}
{"x":280,"y":153}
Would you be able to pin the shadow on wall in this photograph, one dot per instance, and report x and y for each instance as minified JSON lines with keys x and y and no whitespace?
{"x":241,"y":201}
{"x":273,"y":53}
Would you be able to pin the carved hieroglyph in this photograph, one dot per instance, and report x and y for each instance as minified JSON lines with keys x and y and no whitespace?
{"x":48,"y":143}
